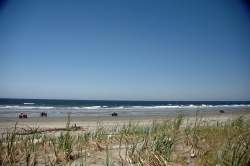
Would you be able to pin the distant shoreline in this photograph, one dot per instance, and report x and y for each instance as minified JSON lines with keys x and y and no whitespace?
{"x":97,"y":108}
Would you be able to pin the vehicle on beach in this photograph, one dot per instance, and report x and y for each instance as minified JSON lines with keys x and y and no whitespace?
{"x":114,"y":114}
{"x":43,"y":114}
{"x":22,"y":115}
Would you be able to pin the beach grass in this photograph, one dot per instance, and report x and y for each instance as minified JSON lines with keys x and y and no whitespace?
{"x":166,"y":141}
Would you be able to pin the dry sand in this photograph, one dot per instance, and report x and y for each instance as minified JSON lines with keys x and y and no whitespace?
{"x":90,"y":123}
{"x":98,"y":158}
{"x":87,"y":123}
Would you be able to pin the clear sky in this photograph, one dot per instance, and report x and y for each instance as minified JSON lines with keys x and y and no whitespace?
{"x":125,"y":49}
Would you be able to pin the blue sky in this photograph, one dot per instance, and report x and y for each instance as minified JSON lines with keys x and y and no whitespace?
{"x":125,"y":50}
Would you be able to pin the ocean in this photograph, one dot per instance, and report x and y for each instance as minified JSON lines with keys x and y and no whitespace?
{"x":61,"y":108}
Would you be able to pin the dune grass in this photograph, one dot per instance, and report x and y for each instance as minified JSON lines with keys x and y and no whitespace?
{"x":162,"y":142}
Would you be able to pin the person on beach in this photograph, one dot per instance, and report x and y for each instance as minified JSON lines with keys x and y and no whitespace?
{"x":43,"y":114}
{"x":114,"y":114}
{"x":22,"y":115}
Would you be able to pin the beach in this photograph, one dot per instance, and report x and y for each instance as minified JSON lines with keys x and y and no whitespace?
{"x":181,"y":139}
{"x":91,"y":122}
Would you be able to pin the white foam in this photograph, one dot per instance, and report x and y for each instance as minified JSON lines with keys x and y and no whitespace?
{"x":93,"y":107}
{"x":121,"y":107}
{"x":154,"y":107}
{"x":192,"y":106}
{"x":75,"y":108}
{"x":46,"y":108}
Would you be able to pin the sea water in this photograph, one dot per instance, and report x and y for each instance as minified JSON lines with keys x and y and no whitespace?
{"x":61,"y":108}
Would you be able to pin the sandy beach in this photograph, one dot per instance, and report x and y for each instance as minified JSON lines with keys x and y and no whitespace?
{"x":90,"y":123}
{"x":88,"y":144}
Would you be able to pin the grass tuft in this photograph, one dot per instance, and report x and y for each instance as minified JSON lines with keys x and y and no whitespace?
{"x":162,"y":142}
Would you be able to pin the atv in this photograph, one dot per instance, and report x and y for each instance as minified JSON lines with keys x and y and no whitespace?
{"x":43,"y":114}
{"x":23,"y":115}
{"x":114,"y":114}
